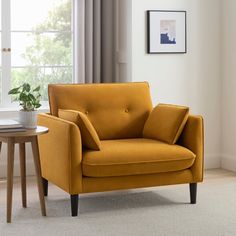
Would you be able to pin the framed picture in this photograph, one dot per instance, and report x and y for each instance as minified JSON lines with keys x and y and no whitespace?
{"x":166,"y":31}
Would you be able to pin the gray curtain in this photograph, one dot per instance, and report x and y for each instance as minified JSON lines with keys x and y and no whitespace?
{"x":96,"y":42}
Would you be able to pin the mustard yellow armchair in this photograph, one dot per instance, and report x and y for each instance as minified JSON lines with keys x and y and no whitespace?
{"x":96,"y":142}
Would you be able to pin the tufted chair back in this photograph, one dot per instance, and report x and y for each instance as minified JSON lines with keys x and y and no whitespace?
{"x":116,"y":110}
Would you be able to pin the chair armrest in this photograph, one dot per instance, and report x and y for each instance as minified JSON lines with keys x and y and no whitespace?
{"x":192,"y":138}
{"x":61,"y":153}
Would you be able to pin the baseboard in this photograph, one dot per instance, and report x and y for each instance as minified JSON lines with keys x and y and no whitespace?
{"x":228,"y":162}
{"x":212,"y":161}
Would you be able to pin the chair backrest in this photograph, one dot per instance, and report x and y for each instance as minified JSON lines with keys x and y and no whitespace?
{"x":116,"y":110}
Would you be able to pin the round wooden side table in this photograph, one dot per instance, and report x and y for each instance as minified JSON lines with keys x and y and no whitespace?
{"x":11,"y":138}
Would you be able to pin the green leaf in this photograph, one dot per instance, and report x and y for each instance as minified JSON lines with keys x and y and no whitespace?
{"x":31,"y":97}
{"x":14,"y":91}
{"x":37,"y":105}
{"x":36,"y":89}
{"x":26,"y":87}
{"x":23,"y":97}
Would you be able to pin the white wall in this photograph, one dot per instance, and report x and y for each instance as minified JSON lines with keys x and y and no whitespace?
{"x":229,"y":85}
{"x":191,"y":79}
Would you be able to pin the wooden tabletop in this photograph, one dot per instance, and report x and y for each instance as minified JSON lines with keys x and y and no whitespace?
{"x":28,"y":133}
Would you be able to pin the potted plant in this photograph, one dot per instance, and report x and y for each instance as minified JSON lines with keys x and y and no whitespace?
{"x":29,"y":100}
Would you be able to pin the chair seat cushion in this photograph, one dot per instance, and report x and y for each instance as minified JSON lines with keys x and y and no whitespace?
{"x":124,"y":157}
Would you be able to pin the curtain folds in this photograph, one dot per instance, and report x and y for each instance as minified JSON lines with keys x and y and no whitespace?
{"x":96,"y":42}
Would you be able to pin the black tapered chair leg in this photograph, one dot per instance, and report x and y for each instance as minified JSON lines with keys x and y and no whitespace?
{"x":193,"y":192}
{"x":45,"y":187}
{"x":74,"y":200}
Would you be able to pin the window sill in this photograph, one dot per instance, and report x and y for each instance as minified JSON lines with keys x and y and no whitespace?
{"x":16,"y":109}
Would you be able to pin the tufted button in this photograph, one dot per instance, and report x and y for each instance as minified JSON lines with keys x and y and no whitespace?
{"x":86,"y":112}
{"x":126,"y":110}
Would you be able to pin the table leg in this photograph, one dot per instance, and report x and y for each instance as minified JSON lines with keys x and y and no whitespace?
{"x":35,"y":149}
{"x":0,"y":146}
{"x":22,"y":173}
{"x":10,"y":166}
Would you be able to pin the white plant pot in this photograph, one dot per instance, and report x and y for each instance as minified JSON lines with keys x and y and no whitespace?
{"x":28,"y":119}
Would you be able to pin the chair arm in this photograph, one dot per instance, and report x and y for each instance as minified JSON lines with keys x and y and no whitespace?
{"x":192,"y":138}
{"x":61,"y":153}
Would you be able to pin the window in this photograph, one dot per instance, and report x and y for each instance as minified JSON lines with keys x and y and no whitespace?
{"x":37,"y":44}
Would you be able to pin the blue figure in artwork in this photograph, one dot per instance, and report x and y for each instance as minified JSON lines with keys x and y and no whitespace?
{"x":166,"y":40}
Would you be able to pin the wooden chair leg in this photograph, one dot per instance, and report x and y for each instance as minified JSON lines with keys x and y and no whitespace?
{"x":45,"y":187}
{"x":22,"y":173}
{"x":74,"y":199}
{"x":10,"y":167}
{"x":193,"y":192}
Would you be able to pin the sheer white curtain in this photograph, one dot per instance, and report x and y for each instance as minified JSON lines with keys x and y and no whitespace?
{"x":95,"y":41}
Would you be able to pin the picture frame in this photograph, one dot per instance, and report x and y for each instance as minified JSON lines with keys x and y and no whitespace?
{"x":166,"y":31}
